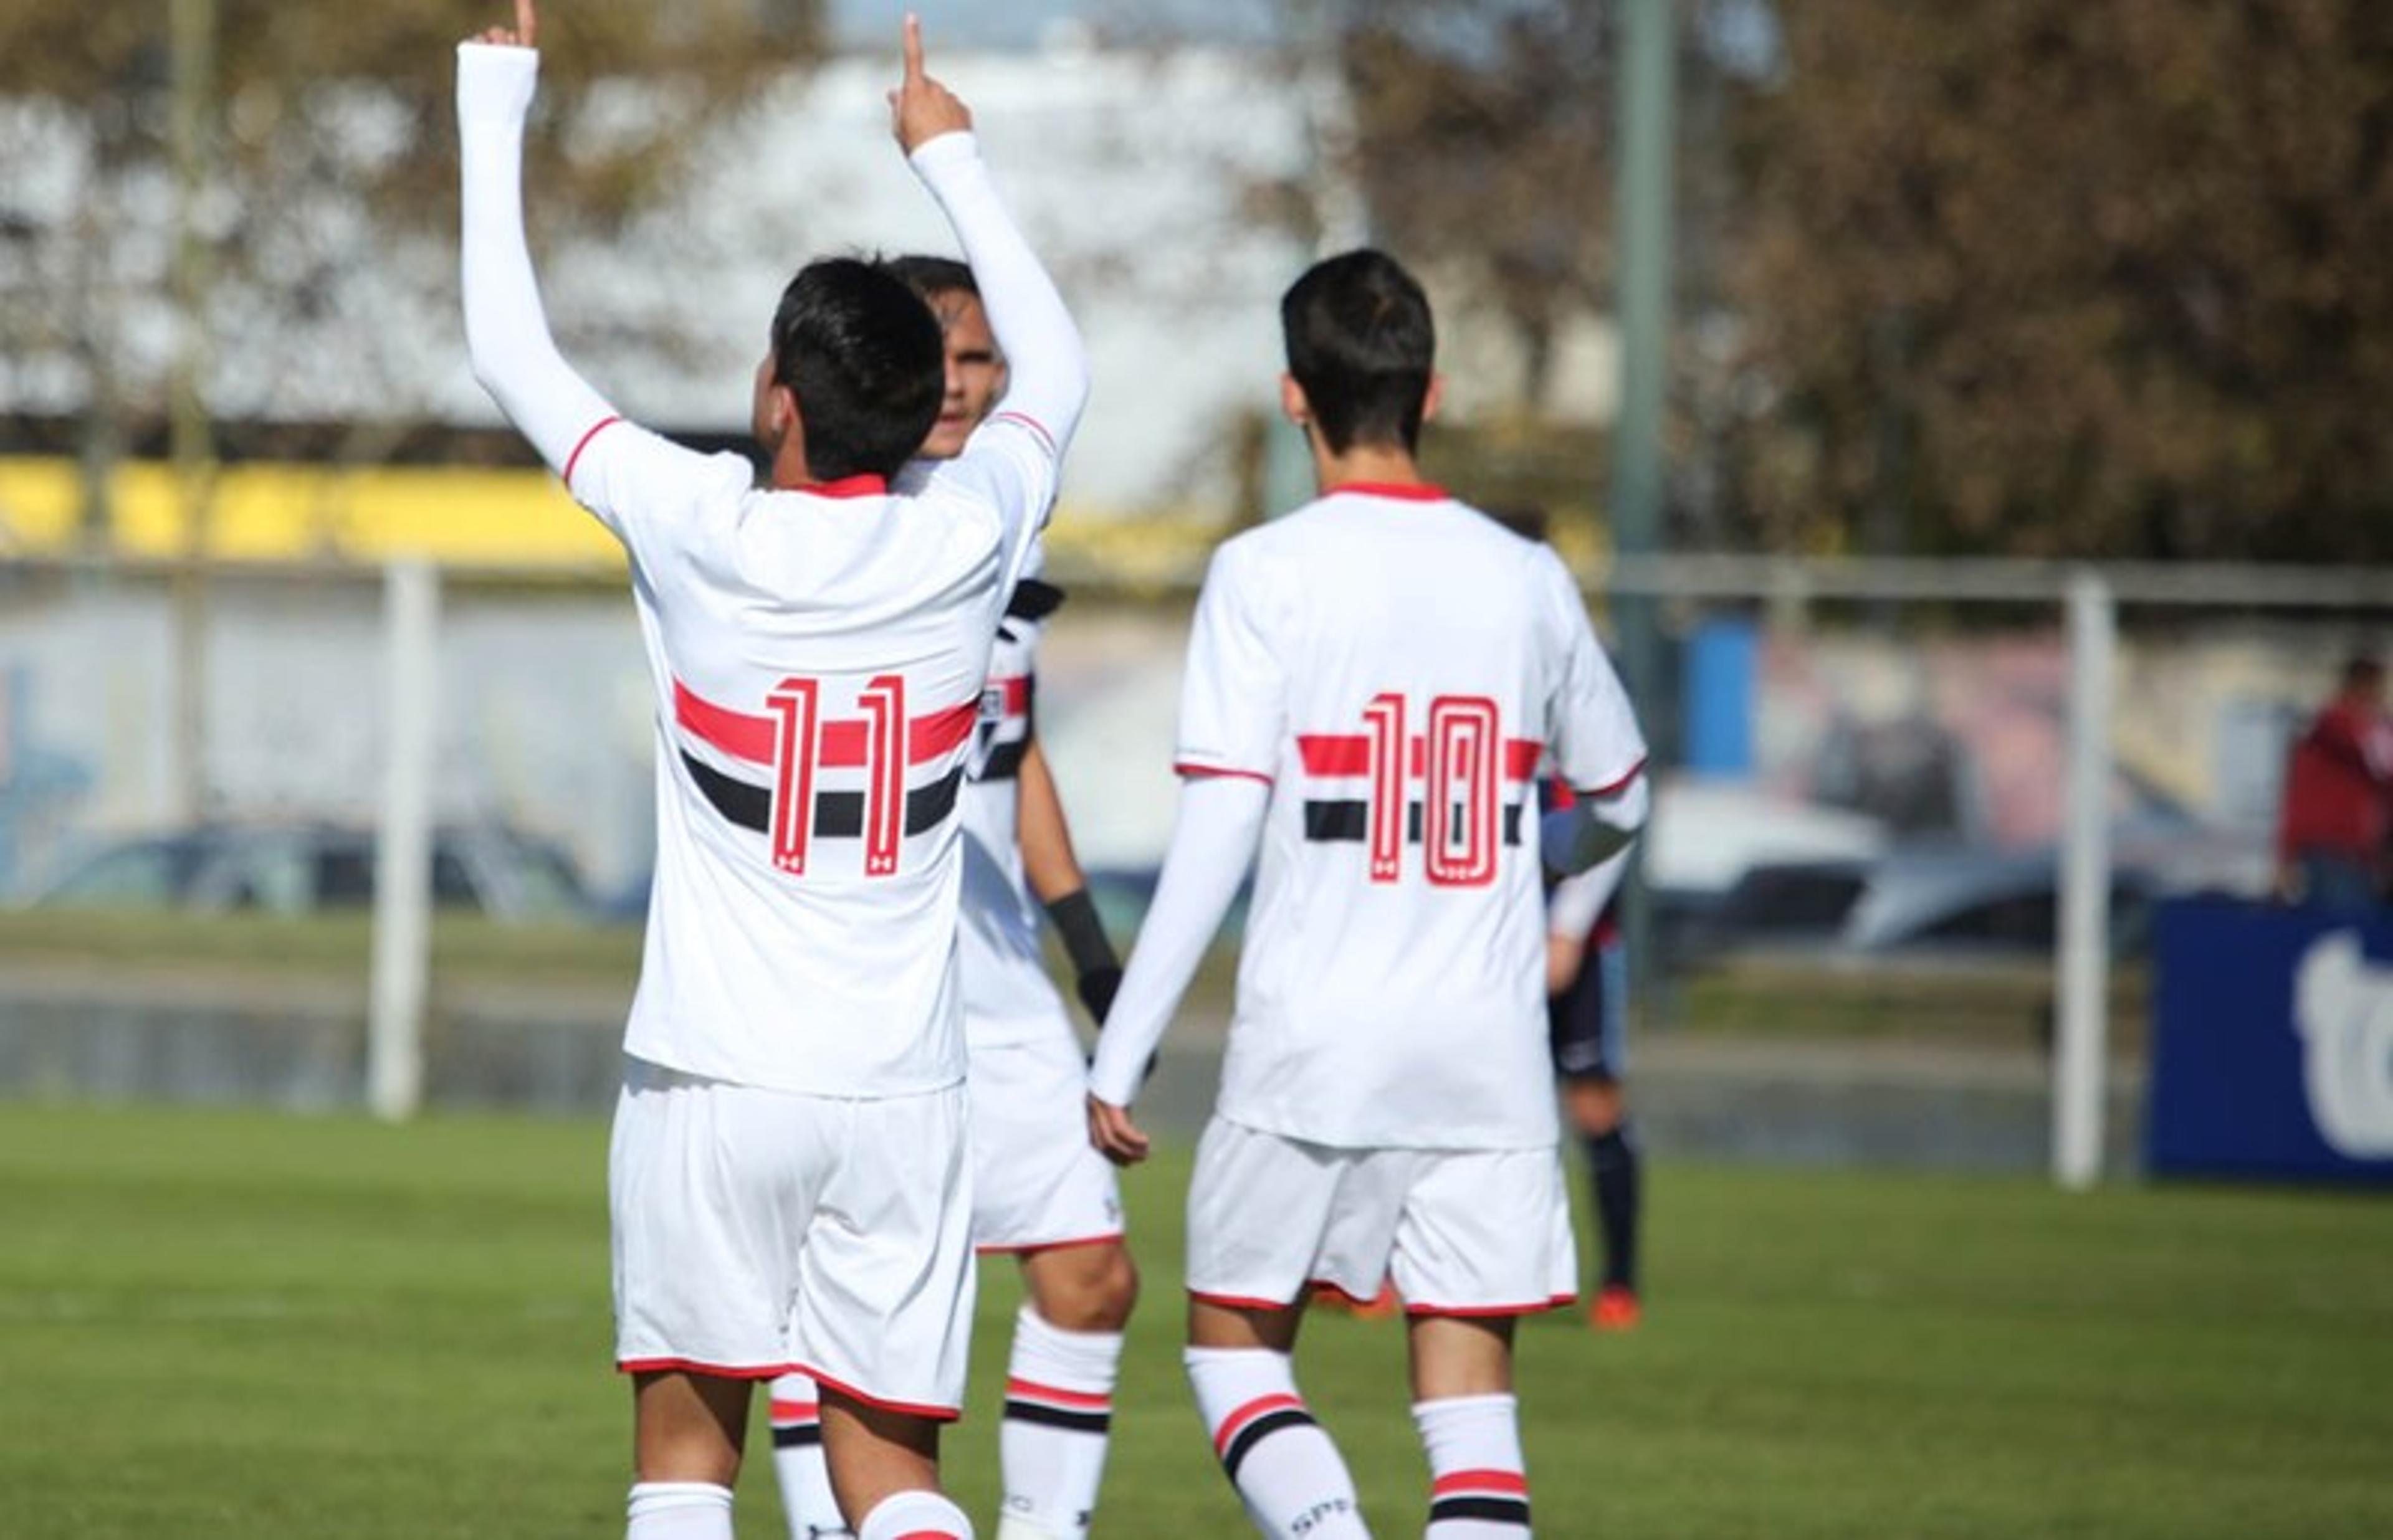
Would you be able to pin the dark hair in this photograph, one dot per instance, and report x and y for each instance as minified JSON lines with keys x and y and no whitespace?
{"x":2363,"y":673}
{"x":932,"y":276}
{"x":863,"y":356}
{"x":1361,"y":343}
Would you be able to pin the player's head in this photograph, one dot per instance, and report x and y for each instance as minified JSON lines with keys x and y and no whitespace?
{"x":1362,"y":353}
{"x":2363,"y":679}
{"x":854,"y":366}
{"x":975,"y":368}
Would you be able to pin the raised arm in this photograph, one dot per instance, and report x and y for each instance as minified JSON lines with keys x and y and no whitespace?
{"x":1048,"y":369}
{"x":506,"y":335}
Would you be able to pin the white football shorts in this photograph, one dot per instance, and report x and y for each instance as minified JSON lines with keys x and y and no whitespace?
{"x":1460,"y":1232}
{"x":1038,"y":1183}
{"x":761,"y":1231}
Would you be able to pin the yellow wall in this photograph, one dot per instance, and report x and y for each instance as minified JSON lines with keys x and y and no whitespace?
{"x":290,"y":512}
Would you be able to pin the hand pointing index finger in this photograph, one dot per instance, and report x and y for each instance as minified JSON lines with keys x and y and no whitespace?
{"x":913,"y":48}
{"x":527,"y":23}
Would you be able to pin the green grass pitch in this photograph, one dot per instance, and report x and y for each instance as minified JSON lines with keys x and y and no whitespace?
{"x":246,"y":1326}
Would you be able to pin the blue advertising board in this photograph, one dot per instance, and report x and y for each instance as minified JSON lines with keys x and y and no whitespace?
{"x":2272,"y":1043}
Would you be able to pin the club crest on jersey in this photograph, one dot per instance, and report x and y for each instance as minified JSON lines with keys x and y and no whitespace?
{"x":1004,"y":730}
{"x":833,"y":761}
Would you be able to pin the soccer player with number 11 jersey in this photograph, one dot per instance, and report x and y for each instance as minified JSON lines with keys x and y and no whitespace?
{"x":1372,"y":685}
{"x":788,"y":1178}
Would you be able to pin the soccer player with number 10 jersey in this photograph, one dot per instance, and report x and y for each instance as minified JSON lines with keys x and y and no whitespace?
{"x":1372,"y":684}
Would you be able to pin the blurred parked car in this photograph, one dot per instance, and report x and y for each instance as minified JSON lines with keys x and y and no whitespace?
{"x":302,"y":868}
{"x":1958,"y":902}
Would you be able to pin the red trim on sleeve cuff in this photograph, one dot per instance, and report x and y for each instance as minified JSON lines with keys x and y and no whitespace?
{"x":1033,"y":423}
{"x":575,"y":458}
{"x":1621,"y":784}
{"x":1184,"y":767}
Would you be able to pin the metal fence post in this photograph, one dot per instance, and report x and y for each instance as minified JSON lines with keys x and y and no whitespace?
{"x":2082,"y":1030}
{"x":402,"y":930}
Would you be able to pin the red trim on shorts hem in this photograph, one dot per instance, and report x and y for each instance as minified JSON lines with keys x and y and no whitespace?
{"x":1032,"y":1249}
{"x":692,"y":1366}
{"x":1232,"y":1301}
{"x":1621,"y":784}
{"x":912,"y":1409}
{"x":1469,"y":1312}
{"x":1322,"y":1286}
{"x":575,"y":458}
{"x":1185,"y":768}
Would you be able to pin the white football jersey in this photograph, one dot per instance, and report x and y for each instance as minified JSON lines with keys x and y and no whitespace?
{"x":819,"y":659}
{"x":1396,"y":664}
{"x":1007,"y":996}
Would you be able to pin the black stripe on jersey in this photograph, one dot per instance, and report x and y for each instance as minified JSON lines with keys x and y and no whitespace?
{"x":797,"y":1435}
{"x":838,"y":814}
{"x":1004,"y":761}
{"x":1349,"y":822}
{"x":1493,"y":1510}
{"x":749,"y":806}
{"x":1256,"y":1432}
{"x":1057,"y":1417}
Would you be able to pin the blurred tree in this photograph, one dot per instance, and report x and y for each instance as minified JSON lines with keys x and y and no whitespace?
{"x":1480,"y":134}
{"x":1481,"y":137}
{"x":329,"y":192}
{"x":2082,"y":278}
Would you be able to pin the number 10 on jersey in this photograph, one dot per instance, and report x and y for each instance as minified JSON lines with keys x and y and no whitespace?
{"x":1460,"y":758}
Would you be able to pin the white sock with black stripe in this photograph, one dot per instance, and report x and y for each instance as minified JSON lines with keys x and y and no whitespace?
{"x":1284,"y":1466}
{"x":1479,"y":1489}
{"x":1059,"y":1405}
{"x":798,"y":1461}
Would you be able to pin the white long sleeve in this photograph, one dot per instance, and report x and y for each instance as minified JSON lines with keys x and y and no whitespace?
{"x":1575,"y":901}
{"x":1212,"y":844}
{"x":1047,"y":366}
{"x":1593,"y":828}
{"x":507,"y":333}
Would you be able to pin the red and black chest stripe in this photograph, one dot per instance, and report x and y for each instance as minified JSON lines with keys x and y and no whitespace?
{"x":880,"y":775}
{"x":1444,"y":778}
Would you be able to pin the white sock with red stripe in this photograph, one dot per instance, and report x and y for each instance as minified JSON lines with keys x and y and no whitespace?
{"x":798,"y":1461}
{"x":678,"y":1510}
{"x":1478,"y":1486}
{"x":1284,"y":1466}
{"x":1059,"y":1408}
{"x":915,"y":1516}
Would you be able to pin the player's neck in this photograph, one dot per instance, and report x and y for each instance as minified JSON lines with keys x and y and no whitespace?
{"x":1365,"y":464}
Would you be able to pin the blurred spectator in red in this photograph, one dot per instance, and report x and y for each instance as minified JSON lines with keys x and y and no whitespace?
{"x":2338,"y":803}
